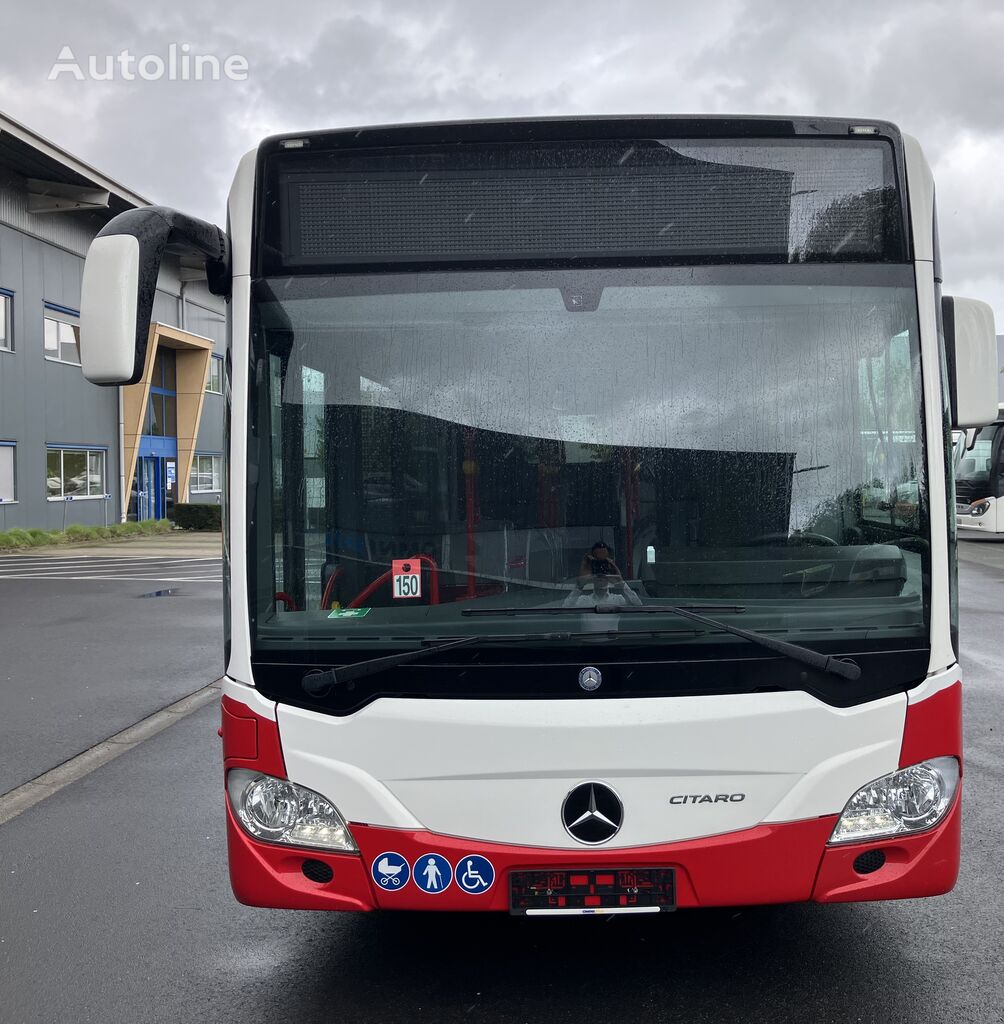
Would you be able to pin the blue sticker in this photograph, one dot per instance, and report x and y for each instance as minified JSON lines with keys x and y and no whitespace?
{"x":475,"y":874}
{"x":432,"y":872}
{"x":391,"y":871}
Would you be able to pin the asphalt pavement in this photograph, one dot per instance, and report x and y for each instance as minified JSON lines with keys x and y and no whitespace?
{"x":94,"y":639}
{"x":115,"y":906}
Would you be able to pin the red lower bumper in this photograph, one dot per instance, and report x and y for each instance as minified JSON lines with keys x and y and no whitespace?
{"x":782,"y":863}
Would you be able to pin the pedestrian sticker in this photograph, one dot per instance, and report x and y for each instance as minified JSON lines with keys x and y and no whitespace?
{"x":475,"y":874}
{"x":406,"y":574}
{"x":391,"y":871}
{"x":432,"y":873}
{"x":348,"y":613}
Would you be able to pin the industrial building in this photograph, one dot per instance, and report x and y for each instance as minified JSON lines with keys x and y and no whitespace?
{"x":71,"y":452}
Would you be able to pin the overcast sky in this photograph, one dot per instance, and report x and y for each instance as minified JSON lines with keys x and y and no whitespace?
{"x":936,"y":69}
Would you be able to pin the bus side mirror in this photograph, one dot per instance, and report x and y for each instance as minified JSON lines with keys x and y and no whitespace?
{"x":971,"y":352}
{"x":120,"y":282}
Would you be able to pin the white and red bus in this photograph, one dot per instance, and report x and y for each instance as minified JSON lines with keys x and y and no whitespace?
{"x":588,"y":540}
{"x":979,"y":480}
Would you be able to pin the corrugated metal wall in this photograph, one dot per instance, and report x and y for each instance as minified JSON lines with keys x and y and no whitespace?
{"x":71,"y":231}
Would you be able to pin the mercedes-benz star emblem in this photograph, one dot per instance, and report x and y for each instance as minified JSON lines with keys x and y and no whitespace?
{"x":592,"y":813}
{"x":590,"y":678}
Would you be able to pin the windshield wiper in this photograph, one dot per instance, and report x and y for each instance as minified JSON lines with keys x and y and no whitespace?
{"x":317,"y":682}
{"x":843,"y":667}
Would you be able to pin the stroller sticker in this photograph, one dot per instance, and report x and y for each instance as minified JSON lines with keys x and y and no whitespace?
{"x":432,"y":873}
{"x":475,"y":874}
{"x":391,"y":871}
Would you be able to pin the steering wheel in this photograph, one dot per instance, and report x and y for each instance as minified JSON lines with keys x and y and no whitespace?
{"x":813,"y":539}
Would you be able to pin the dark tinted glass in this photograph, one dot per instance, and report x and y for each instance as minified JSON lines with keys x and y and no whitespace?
{"x":165,"y":369}
{"x":778,"y":201}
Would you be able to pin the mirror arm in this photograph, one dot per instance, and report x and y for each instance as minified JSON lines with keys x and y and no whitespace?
{"x":157,"y":230}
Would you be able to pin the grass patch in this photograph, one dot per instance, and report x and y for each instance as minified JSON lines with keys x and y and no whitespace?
{"x":18,"y":539}
{"x":78,"y":532}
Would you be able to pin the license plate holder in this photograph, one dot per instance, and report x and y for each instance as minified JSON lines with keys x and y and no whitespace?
{"x":607,"y":890}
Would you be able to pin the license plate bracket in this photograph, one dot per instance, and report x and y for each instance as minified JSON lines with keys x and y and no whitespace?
{"x":615,"y":890}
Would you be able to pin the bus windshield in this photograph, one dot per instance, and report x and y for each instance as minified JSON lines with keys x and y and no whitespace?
{"x":741,"y":438}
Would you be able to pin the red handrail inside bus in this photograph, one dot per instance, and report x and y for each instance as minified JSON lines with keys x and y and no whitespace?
{"x":281,"y":595}
{"x":328,"y":587}
{"x":371,"y":588}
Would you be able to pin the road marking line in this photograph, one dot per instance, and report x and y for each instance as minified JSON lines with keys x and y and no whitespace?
{"x":22,"y":572}
{"x":67,"y":557}
{"x":45,"y":785}
{"x":139,"y":579}
{"x":22,"y":563}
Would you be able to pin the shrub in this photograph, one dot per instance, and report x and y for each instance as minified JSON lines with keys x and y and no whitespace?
{"x":129,"y":529}
{"x":197,"y":517}
{"x":19,"y":538}
{"x":79,"y":532}
{"x":6,"y":541}
{"x":39,"y":538}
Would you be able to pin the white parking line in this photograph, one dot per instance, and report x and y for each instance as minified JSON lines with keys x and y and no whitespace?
{"x":49,"y":562}
{"x":144,"y":570}
{"x":30,"y":570}
{"x":139,"y":579}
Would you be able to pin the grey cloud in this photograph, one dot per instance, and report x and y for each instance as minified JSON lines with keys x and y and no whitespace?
{"x":932,"y":68}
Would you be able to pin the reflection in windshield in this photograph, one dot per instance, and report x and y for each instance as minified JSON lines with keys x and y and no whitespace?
{"x":718,"y":441}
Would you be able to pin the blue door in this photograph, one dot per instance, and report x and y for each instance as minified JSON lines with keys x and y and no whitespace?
{"x":157,"y":486}
{"x":146,"y":507}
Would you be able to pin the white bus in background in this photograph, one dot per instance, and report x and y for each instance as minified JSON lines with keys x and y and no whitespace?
{"x":587,"y":539}
{"x":979,"y":480}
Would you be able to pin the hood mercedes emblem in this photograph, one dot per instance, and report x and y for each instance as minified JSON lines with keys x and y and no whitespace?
{"x":590,"y":678}
{"x":592,"y":813}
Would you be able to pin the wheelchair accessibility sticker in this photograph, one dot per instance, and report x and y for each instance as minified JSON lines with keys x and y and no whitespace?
{"x":432,"y":873}
{"x":475,"y":874}
{"x":391,"y":871}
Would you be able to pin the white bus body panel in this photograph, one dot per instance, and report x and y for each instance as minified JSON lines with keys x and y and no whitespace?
{"x":240,"y":206}
{"x":920,"y":186}
{"x":498,"y":770}
{"x":990,"y":523}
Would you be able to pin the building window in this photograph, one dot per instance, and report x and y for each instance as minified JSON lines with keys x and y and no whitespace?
{"x":161,"y":416}
{"x":8,"y":483}
{"x":207,"y":472}
{"x":6,"y":320}
{"x":214,"y":379}
{"x":165,"y":369}
{"x":74,"y":473}
{"x":62,"y":334}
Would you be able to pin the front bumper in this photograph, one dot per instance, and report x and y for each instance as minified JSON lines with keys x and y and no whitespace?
{"x":777,"y":863}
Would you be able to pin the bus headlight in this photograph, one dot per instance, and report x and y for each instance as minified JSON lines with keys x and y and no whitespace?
{"x":910,"y":800}
{"x":979,"y":508}
{"x":280,"y":811}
